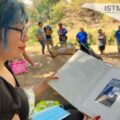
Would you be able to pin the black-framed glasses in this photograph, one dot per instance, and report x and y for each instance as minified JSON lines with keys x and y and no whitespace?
{"x":22,"y":31}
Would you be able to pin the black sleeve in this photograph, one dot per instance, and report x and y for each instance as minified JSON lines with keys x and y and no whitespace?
{"x":6,"y":102}
{"x":12,"y":101}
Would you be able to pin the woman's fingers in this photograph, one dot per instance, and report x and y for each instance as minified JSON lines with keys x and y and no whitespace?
{"x":52,"y":77}
{"x":47,"y":79}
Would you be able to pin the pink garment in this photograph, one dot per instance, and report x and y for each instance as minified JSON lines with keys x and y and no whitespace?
{"x":18,"y":66}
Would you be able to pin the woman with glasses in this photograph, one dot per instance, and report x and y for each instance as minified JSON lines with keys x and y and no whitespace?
{"x":14,"y":102}
{"x":13,"y":37}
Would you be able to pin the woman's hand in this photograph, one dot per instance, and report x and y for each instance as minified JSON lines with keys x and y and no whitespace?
{"x":45,"y":81}
{"x":43,"y":85}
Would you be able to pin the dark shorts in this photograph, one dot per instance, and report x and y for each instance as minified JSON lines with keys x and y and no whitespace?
{"x":63,"y":40}
{"x":101,"y":48}
{"x":48,"y":37}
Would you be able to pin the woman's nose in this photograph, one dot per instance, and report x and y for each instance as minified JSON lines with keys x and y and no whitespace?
{"x":25,"y":37}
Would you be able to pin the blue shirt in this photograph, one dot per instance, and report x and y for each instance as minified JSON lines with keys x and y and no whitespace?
{"x":82,"y":37}
{"x":62,"y":32}
{"x":117,"y":35}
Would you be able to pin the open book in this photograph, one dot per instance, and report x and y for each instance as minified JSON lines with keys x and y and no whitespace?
{"x":90,"y":85}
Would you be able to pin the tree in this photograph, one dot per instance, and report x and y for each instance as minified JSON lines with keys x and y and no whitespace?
{"x":44,"y":7}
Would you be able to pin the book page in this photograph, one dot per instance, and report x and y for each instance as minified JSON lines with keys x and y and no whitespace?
{"x":104,"y":99}
{"x":78,"y":77}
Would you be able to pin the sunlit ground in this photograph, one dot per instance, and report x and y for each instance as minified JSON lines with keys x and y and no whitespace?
{"x":109,"y":48}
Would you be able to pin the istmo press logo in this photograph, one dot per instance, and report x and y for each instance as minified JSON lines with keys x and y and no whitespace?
{"x":111,"y":9}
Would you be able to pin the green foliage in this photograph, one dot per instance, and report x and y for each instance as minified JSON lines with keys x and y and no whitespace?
{"x":72,"y":42}
{"x":92,"y":39}
{"x":32,"y":36}
{"x":72,"y":16}
{"x":111,"y":38}
{"x":56,"y":14}
{"x":44,"y":8}
{"x":32,"y":14}
{"x":92,"y":35}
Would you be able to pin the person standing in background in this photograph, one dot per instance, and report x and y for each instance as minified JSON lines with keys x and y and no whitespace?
{"x":101,"y":41}
{"x":82,"y":38}
{"x":62,"y":33}
{"x":41,"y":37}
{"x":117,"y":35}
{"x":48,"y":31}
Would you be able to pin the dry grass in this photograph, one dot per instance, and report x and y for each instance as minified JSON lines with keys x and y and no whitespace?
{"x":109,"y":49}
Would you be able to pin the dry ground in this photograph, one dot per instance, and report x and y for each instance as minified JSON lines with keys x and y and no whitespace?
{"x":45,"y":65}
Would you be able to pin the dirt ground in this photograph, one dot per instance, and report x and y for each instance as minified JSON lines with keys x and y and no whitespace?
{"x":45,"y":65}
